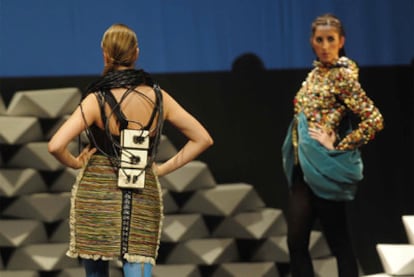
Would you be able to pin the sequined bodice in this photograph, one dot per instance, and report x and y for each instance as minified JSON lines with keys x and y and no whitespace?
{"x":326,"y":94}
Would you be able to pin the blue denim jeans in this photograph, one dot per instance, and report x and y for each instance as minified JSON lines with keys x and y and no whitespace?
{"x":100,"y":268}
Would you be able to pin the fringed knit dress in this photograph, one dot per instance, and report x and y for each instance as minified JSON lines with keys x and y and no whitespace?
{"x":107,"y":222}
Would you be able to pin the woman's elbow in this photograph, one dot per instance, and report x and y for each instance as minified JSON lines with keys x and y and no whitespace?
{"x":53,"y":148}
{"x":208,"y":141}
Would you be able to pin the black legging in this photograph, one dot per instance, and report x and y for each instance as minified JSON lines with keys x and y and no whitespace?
{"x":303,"y":209}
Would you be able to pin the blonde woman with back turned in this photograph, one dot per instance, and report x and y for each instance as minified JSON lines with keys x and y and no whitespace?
{"x":116,"y":204}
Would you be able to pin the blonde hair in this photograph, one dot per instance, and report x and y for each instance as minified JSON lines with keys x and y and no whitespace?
{"x":120,"y":45}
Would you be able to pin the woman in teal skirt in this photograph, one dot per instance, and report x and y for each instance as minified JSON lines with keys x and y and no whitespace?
{"x":321,"y":155}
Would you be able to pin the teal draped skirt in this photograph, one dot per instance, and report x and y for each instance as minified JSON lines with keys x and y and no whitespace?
{"x":331,"y":174}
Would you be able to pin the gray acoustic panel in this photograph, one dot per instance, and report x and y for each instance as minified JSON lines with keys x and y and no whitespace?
{"x":224,"y":200}
{"x":204,"y":252}
{"x":3,"y":109}
{"x":182,"y":227}
{"x":53,"y":129}
{"x":61,"y":232}
{"x":397,"y":259}
{"x":20,"y":130}
{"x":272,"y":249}
{"x":264,"y":223}
{"x":19,"y":273}
{"x":169,"y":204}
{"x":42,"y":257}
{"x":408,"y":222}
{"x":45,"y":207}
{"x":35,"y":155}
{"x":325,"y":267}
{"x":266,"y":269}
{"x":318,"y":246}
{"x":19,"y":232}
{"x":46,"y":103}
{"x":180,"y":270}
{"x":165,"y":150}
{"x":16,"y":182}
{"x":193,"y":176}
{"x":65,"y":180}
{"x":276,"y":249}
{"x":82,"y":138}
{"x":380,"y":275}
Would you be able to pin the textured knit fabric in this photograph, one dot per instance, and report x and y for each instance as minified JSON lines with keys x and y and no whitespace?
{"x":96,"y":215}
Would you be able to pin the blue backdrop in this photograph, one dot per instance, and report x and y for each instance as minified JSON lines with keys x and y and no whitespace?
{"x":62,"y":38}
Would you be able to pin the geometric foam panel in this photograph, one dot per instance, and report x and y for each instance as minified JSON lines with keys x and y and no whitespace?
{"x":19,"y":130}
{"x":19,"y":273}
{"x":325,"y":267}
{"x":318,"y":247}
{"x":165,"y":149}
{"x":47,"y":257}
{"x":56,"y":125}
{"x":378,"y":275}
{"x":247,"y":270}
{"x":35,"y":155}
{"x":46,"y":103}
{"x":276,"y":249}
{"x":192,"y":176}
{"x":182,"y":227}
{"x":408,"y":222}
{"x":264,"y":223}
{"x":161,"y":270}
{"x":397,"y":259}
{"x":18,"y":232}
{"x":272,"y":249}
{"x":61,"y":232}
{"x":14,"y":182}
{"x":169,"y":204}
{"x":2,"y":106}
{"x":65,"y":180}
{"x":204,"y":252}
{"x":44,"y":207}
{"x":224,"y":200}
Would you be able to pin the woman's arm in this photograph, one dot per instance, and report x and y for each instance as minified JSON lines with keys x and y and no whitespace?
{"x":355,"y":98}
{"x":198,"y":137}
{"x":71,"y":128}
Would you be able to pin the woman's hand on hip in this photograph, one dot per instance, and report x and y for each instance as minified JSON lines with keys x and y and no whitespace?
{"x":324,"y":137}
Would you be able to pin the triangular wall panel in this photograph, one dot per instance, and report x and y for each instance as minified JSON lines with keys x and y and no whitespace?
{"x":46,"y":103}
{"x":41,"y":206}
{"x":224,"y":200}
{"x":15,"y":182}
{"x":19,"y":130}
{"x":18,"y":232}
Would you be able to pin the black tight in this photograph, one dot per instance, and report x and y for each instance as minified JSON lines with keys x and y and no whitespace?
{"x":303,"y":209}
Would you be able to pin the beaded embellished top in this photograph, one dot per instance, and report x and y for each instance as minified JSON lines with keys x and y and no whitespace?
{"x":327,"y":93}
